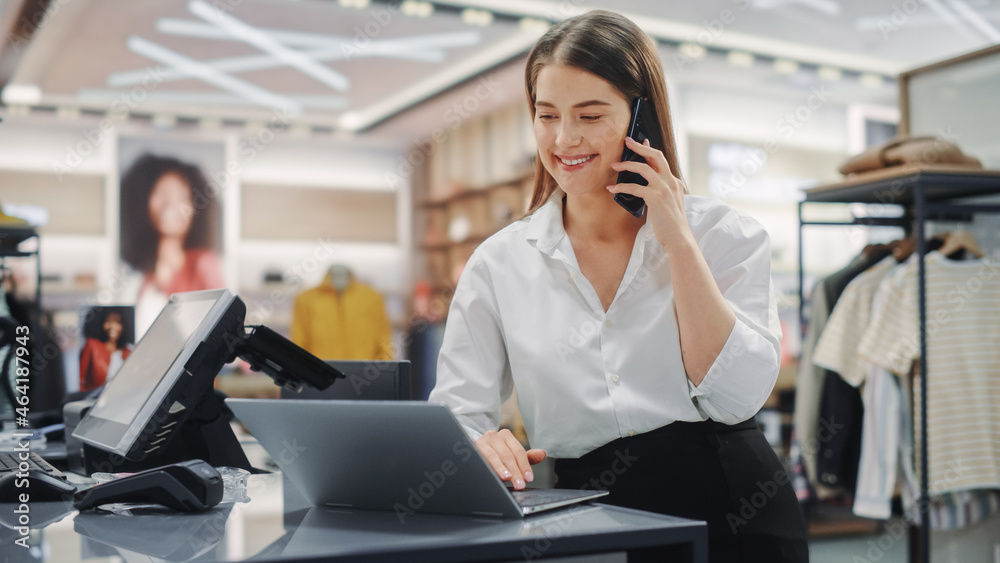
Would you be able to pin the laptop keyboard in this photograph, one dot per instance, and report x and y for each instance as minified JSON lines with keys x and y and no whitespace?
{"x":9,"y":462}
{"x":538,"y":497}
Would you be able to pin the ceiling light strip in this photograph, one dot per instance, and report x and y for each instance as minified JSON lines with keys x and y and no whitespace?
{"x":676,"y":32}
{"x":976,"y":19}
{"x":269,"y":45}
{"x":249,"y":63}
{"x":949,"y":17}
{"x":413,"y":48}
{"x":196,"y":69}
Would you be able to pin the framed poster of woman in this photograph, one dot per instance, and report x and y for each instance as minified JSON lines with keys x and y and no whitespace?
{"x":170,"y":219}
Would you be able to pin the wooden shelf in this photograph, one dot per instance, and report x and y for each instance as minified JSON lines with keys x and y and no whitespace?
{"x":895,"y":185}
{"x":474,"y":239}
{"x":468,"y":192}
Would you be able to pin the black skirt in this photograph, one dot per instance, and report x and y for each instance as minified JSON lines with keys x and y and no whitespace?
{"x":725,"y":475}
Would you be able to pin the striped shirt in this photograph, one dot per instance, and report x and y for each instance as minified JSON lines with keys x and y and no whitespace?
{"x":963,"y":364}
{"x":837,"y":349}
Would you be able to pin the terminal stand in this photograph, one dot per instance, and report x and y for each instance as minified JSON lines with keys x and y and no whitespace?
{"x":206,"y":433}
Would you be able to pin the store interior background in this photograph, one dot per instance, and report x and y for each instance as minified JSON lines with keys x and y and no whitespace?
{"x":415,"y":143}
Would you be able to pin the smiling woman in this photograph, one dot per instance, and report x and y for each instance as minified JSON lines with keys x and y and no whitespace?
{"x":169,"y":231}
{"x":652,"y":337}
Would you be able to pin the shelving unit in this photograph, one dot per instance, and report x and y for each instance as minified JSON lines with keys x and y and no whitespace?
{"x":484,"y":211}
{"x":927,"y":192}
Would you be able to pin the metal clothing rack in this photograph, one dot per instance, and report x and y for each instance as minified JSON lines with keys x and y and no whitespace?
{"x":927,"y":193}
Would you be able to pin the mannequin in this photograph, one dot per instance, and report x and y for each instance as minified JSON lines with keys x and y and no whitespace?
{"x":339,"y":276}
{"x":342,"y":319}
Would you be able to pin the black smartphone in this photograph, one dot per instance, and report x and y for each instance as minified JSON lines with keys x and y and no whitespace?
{"x":642,"y":125}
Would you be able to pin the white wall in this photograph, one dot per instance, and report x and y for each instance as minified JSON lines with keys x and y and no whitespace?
{"x":42,"y":144}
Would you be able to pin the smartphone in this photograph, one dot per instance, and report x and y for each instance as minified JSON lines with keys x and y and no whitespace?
{"x":642,"y":126}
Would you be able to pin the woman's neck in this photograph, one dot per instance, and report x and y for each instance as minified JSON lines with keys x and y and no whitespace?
{"x":596,"y":216}
{"x":169,"y":260}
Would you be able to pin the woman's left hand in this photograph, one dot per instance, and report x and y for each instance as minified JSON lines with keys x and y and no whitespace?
{"x":664,"y":196}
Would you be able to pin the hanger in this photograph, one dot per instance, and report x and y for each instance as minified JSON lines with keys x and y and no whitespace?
{"x":949,"y":244}
{"x":957,"y":241}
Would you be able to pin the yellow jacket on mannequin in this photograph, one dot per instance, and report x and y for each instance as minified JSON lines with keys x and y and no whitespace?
{"x":347,"y":324}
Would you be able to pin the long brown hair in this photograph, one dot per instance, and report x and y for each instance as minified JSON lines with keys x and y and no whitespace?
{"x":612,"y":47}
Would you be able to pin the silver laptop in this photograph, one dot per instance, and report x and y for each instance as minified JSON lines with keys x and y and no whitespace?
{"x":403,"y":456}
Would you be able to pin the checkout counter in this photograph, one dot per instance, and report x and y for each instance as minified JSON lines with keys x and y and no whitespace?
{"x":273,"y":525}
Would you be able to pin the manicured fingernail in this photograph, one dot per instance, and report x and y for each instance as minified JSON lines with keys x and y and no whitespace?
{"x":609,"y":188}
{"x":518,"y":484}
{"x":528,"y":476}
{"x":505,"y":474}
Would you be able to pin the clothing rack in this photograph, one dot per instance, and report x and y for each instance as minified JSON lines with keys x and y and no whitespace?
{"x":926,"y":192}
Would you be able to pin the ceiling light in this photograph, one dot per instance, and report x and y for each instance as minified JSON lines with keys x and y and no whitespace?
{"x":210,"y":123}
{"x":261,"y":40}
{"x":693,"y":50}
{"x":359,"y":4}
{"x":343,"y":135}
{"x":351,"y":121}
{"x":254,"y":127}
{"x":740,"y":58}
{"x":473,"y":16}
{"x":68,"y":112}
{"x":418,"y":9}
{"x":829,"y":73}
{"x":785,"y":66}
{"x":300,"y":130}
{"x":534,"y":25}
{"x":28,"y":94}
{"x":164,"y":121}
{"x":871,"y":80}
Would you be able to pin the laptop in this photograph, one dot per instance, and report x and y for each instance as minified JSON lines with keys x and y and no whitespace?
{"x":404,"y":456}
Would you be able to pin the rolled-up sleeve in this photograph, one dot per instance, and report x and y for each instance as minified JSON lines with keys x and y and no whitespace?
{"x":738,"y":252}
{"x":473,"y":373}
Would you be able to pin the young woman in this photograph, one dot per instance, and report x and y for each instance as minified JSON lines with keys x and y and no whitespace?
{"x":169,"y":231}
{"x":641,"y":348}
{"x":100,"y":358}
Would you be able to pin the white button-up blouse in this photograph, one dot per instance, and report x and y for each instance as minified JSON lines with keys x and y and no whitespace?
{"x":524,"y":316}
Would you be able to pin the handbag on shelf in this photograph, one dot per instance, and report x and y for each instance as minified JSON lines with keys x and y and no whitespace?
{"x":909,"y":150}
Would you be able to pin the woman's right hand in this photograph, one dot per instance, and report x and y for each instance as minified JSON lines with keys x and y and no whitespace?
{"x":508,"y":458}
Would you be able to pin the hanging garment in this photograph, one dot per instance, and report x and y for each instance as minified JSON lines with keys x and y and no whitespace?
{"x":840,"y":409}
{"x":808,"y":392}
{"x":963,"y":364}
{"x":347,"y":325}
{"x":837,"y":348}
